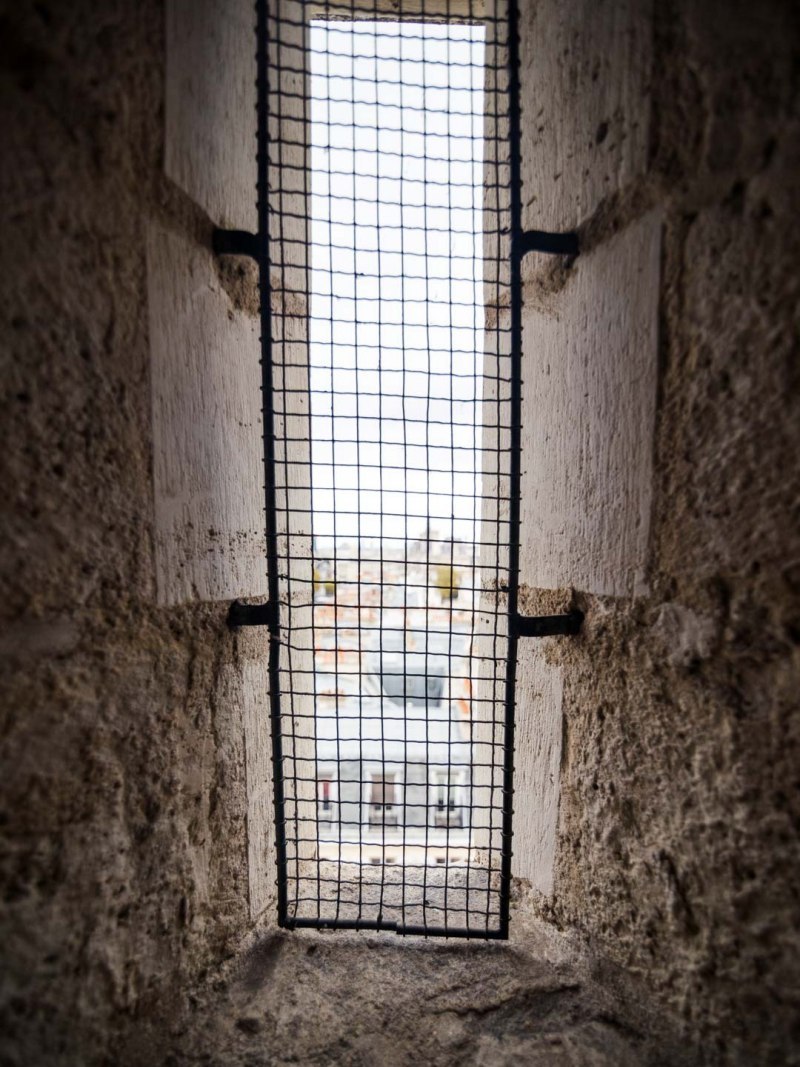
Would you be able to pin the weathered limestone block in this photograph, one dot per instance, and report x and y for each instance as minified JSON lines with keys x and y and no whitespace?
{"x":589,"y":371}
{"x":260,"y":816}
{"x":488,"y":733}
{"x":537,"y":763}
{"x":586,"y":69}
{"x":210,"y":101}
{"x":207,"y":458}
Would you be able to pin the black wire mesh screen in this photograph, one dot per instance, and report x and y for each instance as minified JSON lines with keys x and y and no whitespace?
{"x":385,"y":206}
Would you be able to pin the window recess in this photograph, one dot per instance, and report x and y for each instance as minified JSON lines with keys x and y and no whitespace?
{"x":389,"y":249}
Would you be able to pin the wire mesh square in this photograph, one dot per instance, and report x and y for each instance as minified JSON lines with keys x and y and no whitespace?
{"x":385,"y":199}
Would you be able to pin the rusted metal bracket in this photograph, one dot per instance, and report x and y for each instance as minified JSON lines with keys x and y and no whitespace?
{"x":549,"y":625}
{"x":235,"y":243}
{"x":240,"y":614}
{"x":554,"y":244}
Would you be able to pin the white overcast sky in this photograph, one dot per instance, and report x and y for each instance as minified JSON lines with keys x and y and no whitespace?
{"x":397,"y":246}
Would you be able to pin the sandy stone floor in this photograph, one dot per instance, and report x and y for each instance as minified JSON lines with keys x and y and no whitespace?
{"x":367,"y":999}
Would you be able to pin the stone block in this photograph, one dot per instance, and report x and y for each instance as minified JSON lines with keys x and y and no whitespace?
{"x":207,"y":444}
{"x":258,"y":760}
{"x":210,"y":101}
{"x":586,"y":71}
{"x":537,"y":766}
{"x":589,"y":371}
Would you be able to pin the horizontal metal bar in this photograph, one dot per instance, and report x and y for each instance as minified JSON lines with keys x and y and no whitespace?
{"x":549,"y":625}
{"x":235,"y":243}
{"x":394,"y":927}
{"x":555,"y":244}
{"x":240,"y":614}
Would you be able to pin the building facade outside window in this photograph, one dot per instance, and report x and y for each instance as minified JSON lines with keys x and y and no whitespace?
{"x":384,"y":800}
{"x":447,"y":800}
{"x":326,"y":797}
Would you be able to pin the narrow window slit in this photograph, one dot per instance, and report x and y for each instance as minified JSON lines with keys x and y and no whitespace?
{"x":387,"y":208}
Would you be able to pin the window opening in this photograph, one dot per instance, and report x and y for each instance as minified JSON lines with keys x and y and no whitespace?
{"x":389,"y":248}
{"x":325,"y":797}
{"x":447,"y":800}
{"x":383,"y":800}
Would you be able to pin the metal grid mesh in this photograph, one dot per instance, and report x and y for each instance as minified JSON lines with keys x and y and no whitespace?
{"x":386,"y":209}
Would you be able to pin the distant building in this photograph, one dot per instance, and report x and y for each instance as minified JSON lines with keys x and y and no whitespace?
{"x":393,"y":724}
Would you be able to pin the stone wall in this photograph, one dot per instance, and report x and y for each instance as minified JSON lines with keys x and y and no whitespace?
{"x":660,"y":496}
{"x":656,"y":801}
{"x":134,"y":723}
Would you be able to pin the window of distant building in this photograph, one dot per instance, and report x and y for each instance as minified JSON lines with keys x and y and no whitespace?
{"x":383,"y":801}
{"x":326,"y":797}
{"x":446,"y":801}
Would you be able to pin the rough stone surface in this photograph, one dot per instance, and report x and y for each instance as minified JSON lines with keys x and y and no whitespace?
{"x":368,"y":1000}
{"x":677,"y":850}
{"x":537,"y":766}
{"x":124,"y":806}
{"x":208,"y":459}
{"x":210,"y":107}
{"x":252,"y":677}
{"x":590,"y":370}
{"x":586,"y":66}
{"x":131,"y":755}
